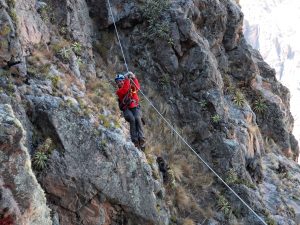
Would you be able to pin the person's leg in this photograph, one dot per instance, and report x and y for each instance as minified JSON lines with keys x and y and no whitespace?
{"x":129,"y":117}
{"x":137,"y":113}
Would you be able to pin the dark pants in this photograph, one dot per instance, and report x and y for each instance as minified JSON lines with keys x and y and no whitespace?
{"x":134,"y":117}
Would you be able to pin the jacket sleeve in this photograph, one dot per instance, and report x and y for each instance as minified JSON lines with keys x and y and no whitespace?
{"x":137,"y":84}
{"x":123,"y":90}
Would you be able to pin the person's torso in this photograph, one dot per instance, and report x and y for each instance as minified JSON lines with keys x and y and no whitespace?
{"x":133,"y":97}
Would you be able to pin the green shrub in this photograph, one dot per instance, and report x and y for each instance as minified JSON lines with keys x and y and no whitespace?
{"x":158,"y":26}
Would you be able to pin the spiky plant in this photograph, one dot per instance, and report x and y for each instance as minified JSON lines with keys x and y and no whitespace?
{"x":65,"y":52}
{"x":224,"y":205}
{"x":40,"y":160}
{"x":216,"y":118}
{"x":77,"y":48}
{"x":231,"y":177}
{"x":239,"y":99}
{"x":260,"y":106}
{"x":203,"y":104}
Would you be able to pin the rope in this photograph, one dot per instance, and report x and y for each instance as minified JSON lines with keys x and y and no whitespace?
{"x":173,"y":129}
{"x":113,"y":18}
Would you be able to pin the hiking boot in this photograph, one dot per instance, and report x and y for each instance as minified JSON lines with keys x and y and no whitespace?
{"x":136,"y":144}
{"x":142,"y":143}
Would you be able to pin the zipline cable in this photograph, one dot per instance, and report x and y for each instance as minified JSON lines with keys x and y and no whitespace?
{"x":113,"y":18}
{"x":172,"y":128}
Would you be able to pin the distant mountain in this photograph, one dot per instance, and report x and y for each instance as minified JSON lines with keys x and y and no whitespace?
{"x":272,"y":28}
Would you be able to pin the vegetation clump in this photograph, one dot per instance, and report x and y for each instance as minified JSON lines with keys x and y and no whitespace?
{"x":216,"y":118}
{"x":5,"y":30}
{"x":55,"y":81}
{"x":259,"y":106}
{"x":224,"y":205}
{"x":158,"y":24}
{"x":239,"y":99}
{"x":42,"y":154}
{"x":77,"y":48}
{"x":40,"y":160}
{"x":11,"y":3}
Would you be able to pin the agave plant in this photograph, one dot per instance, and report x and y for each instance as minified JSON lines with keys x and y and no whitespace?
{"x":239,"y":99}
{"x":203,"y":104}
{"x":260,"y":106}
{"x":216,"y":118}
{"x":40,"y":160}
{"x":224,"y":205}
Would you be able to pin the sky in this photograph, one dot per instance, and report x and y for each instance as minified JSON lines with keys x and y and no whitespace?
{"x":273,"y":27}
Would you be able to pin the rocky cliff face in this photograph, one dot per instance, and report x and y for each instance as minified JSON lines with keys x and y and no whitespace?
{"x":275,"y":36}
{"x":22,"y":198}
{"x":194,"y":64}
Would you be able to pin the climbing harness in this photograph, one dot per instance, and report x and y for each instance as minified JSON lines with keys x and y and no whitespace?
{"x":173,"y":129}
{"x":127,"y":99}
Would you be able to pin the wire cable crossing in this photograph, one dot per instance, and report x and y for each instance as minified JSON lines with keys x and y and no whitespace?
{"x":173,"y":129}
{"x":113,"y":18}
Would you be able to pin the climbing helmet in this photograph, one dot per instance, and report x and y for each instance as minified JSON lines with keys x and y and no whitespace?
{"x":119,"y":77}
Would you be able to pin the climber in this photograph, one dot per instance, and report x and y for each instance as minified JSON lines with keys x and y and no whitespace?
{"x":128,"y":86}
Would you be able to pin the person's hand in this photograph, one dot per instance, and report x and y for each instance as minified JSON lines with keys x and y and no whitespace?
{"x":131,"y":75}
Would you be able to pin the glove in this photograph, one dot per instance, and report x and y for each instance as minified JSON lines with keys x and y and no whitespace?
{"x":129,"y":75}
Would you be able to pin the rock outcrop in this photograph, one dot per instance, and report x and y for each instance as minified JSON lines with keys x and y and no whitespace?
{"x":196,"y":67}
{"x":21,"y":197}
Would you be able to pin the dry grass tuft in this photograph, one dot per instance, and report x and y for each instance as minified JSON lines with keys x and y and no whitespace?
{"x":182,"y":199}
{"x":188,"y":221}
{"x":177,"y":171}
{"x":201,"y":181}
{"x":59,"y":45}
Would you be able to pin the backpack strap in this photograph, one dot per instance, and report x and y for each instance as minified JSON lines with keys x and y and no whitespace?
{"x":124,"y":104}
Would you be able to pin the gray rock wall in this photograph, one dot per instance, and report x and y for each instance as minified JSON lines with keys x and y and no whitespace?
{"x":21,"y":197}
{"x":194,"y":64}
